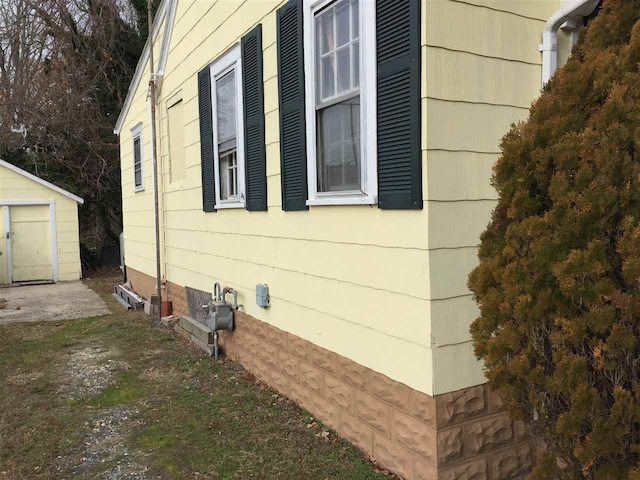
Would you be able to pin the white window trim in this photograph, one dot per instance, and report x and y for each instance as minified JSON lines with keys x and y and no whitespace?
{"x":6,"y":215}
{"x":229,"y":60}
{"x":136,"y":132}
{"x":368,"y":116}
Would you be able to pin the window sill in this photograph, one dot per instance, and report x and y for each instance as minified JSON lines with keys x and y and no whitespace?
{"x":227,"y":206}
{"x":342,"y":201}
{"x":138,"y":189}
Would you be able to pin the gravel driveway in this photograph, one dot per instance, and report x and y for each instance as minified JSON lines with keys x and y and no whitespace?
{"x":59,"y":301}
{"x":120,"y":397}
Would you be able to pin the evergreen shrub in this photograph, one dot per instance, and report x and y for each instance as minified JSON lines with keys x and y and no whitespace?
{"x":558,"y":283}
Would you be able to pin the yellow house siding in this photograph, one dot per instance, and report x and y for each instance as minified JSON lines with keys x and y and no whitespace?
{"x":14,"y":186}
{"x":353,"y":279}
{"x":460,"y":175}
{"x":386,"y":289}
{"x":67,"y":233}
{"x":137,"y":207}
{"x":462,"y":26}
{"x":532,"y":9}
{"x":479,"y":82}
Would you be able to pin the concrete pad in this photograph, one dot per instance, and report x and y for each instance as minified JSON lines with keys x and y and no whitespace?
{"x":60,"y":301}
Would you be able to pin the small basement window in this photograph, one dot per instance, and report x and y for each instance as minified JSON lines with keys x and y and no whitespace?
{"x":226,"y":84}
{"x":138,"y":161}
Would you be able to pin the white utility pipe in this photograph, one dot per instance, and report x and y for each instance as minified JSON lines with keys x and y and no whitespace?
{"x":549,"y":47}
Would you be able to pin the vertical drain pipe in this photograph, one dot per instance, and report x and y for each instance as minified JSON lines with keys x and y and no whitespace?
{"x":549,"y":46}
{"x":154,"y":156}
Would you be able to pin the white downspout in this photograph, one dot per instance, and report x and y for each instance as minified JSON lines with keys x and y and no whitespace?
{"x":549,"y":49}
{"x":549,"y":46}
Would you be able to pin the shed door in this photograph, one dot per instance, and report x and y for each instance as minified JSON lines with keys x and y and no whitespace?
{"x":31,"y":243}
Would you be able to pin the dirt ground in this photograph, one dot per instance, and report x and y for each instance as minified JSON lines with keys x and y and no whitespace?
{"x":60,"y":301}
{"x":119,"y":397}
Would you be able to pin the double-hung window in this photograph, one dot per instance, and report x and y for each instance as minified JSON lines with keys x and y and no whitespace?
{"x":340,"y":77}
{"x":138,"y":161}
{"x":228,"y":141}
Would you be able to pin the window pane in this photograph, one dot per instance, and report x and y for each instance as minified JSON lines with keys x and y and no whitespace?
{"x":344,"y":70}
{"x":355,"y":19}
{"x":342,"y":23}
{"x":339,"y":147}
{"x":327,"y":83}
{"x":228,"y":175}
{"x":324,"y":30}
{"x":137,"y":162}
{"x":356,"y":64}
{"x":336,"y":45}
{"x":226,"y":106}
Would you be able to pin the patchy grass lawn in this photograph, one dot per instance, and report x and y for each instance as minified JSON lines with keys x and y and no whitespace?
{"x":118,"y":397}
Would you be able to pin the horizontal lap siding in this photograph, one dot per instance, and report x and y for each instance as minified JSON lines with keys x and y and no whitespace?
{"x":483,"y":31}
{"x":337,"y":334}
{"x":137,"y":207}
{"x":351,"y":279}
{"x":478,"y":84}
{"x":68,"y":239}
{"x":539,"y":10}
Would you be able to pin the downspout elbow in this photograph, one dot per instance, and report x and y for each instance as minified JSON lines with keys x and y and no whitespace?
{"x":549,"y":46}
{"x":549,"y":49}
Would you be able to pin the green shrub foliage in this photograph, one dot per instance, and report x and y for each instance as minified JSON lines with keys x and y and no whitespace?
{"x":558,"y":282}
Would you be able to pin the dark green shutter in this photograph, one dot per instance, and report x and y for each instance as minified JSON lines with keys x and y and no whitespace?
{"x":206,"y":140}
{"x":293,"y":144}
{"x":399,"y":101}
{"x":253,"y":94}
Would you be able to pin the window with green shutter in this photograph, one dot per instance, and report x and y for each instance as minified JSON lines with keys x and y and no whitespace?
{"x":340,"y":101}
{"x":291,"y":94}
{"x":206,"y":140}
{"x":361,"y":89}
{"x":399,"y":103}
{"x":253,"y":93}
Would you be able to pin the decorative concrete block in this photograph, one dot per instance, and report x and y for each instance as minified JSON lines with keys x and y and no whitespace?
{"x":462,"y":405}
{"x":390,"y":391}
{"x":488,"y":434}
{"x":475,"y":470}
{"x":299,"y":347}
{"x":311,"y":378}
{"x":268,"y":353}
{"x":352,"y":373}
{"x":339,"y":393}
{"x":425,"y":471}
{"x":459,"y":435}
{"x":289,"y":365}
{"x":415,"y":435}
{"x":423,"y":407}
{"x":357,"y":432}
{"x":374,"y":412}
{"x":495,"y":402}
{"x":511,"y":463}
{"x":276,"y":336}
{"x":393,"y":457}
{"x":280,"y":382}
{"x":325,"y":411}
{"x":450,"y":445}
{"x":302,"y":396}
{"x":324,"y":359}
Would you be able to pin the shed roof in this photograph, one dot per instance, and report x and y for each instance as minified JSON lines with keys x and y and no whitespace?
{"x":41,"y":181}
